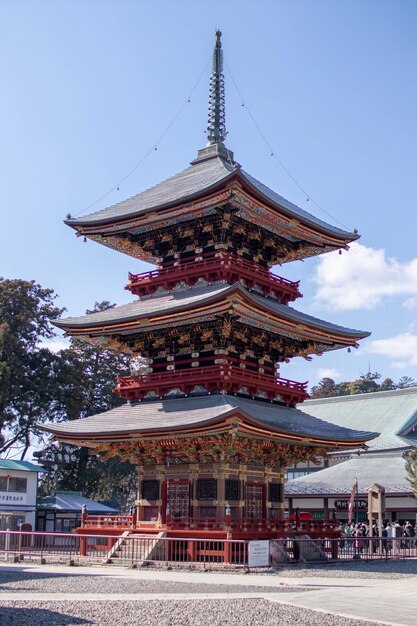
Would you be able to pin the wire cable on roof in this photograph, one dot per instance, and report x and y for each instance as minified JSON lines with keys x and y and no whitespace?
{"x":274,"y":154}
{"x":154,"y":147}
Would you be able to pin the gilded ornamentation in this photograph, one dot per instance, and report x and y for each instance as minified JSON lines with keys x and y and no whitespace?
{"x":226,"y":329}
{"x":184,"y":339}
{"x":231,"y":448}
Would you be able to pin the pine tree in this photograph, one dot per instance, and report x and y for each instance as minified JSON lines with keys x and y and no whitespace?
{"x":411,"y":468}
{"x":28,"y":370}
{"x":88,"y":376}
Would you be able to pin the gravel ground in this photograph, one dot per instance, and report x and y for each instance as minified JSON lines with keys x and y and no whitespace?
{"x":192,"y":612}
{"x":31,"y":582}
{"x":249,"y":612}
{"x":352,"y":569}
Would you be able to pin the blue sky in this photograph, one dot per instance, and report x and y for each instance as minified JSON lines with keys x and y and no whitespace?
{"x":90,"y":86}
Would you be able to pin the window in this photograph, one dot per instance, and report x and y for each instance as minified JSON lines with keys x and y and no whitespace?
{"x":18,"y":485}
{"x":150,"y":490}
{"x":13,"y":484}
{"x":207,"y":489}
{"x":274,"y":492}
{"x":64,"y":525}
{"x":9,"y":521}
{"x":231,"y":489}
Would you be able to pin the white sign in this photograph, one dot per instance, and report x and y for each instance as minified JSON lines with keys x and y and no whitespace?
{"x":258,"y":553}
{"x":12,"y":498}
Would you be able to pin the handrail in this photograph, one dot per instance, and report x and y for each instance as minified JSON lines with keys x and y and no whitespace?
{"x":189,"y":374}
{"x":208,"y":260}
{"x":109,"y":521}
{"x":236,"y":523}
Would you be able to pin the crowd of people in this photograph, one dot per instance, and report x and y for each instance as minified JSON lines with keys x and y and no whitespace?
{"x":395,"y":535}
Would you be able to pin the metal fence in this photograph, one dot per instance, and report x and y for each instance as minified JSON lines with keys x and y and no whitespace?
{"x":134,"y":550}
{"x":124,"y":549}
{"x":296,"y":550}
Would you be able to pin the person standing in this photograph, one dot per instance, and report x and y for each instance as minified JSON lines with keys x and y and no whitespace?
{"x":396,"y":533}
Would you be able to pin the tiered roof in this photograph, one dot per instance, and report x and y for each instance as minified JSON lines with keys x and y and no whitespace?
{"x":207,"y":413}
{"x":212,"y":300}
{"x":216,"y":194}
{"x":204,"y":176}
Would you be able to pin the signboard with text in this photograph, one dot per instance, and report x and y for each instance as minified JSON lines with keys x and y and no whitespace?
{"x":10,"y":497}
{"x":258,"y":553}
{"x":343,"y":505}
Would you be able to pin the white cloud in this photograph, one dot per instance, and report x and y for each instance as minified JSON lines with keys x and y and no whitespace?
{"x":56,"y":346}
{"x":399,"y":365}
{"x":410,"y":304}
{"x":362,"y":278}
{"x":327,"y":373}
{"x":402,"y":349}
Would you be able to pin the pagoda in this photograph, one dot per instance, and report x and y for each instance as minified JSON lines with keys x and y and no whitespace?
{"x":210,"y":423}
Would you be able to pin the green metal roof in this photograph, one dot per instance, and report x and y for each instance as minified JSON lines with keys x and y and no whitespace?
{"x":387,"y":469}
{"x":22,"y":466}
{"x":73,"y":501}
{"x":390,"y":413}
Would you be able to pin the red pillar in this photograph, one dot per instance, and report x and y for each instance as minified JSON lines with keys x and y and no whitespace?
{"x":83,"y":546}
{"x":227,"y":552}
{"x":164,"y":503}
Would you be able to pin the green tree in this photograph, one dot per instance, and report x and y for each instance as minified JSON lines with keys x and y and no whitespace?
{"x":405,"y":382}
{"x":363,"y":385}
{"x":411,"y":468}
{"x":366,"y":383}
{"x":343,"y":389}
{"x":88,"y":376}
{"x":27,"y":370}
{"x":325,"y":389}
{"x":387,"y":385}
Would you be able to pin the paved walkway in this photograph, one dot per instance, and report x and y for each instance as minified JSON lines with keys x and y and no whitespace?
{"x":387,"y":601}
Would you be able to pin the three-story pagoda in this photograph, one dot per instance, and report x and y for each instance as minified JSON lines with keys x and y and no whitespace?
{"x":210,"y":425}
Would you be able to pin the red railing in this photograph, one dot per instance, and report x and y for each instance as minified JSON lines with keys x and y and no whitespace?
{"x":220,"y":377}
{"x":108,"y":521}
{"x":214,"y":266}
{"x":228,"y":523}
{"x":241,"y":524}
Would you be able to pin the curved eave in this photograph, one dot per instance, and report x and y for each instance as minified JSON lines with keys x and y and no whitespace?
{"x":274,"y":310}
{"x":98,"y":225}
{"x":297,"y":214}
{"x":193,"y":428}
{"x":94,"y":225}
{"x":245,"y":424}
{"x":305,"y":320}
{"x":75,"y":324}
{"x":253,"y":427}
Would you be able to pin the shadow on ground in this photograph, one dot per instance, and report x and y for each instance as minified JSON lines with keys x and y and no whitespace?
{"x":14,"y":616}
{"x":19,"y":574}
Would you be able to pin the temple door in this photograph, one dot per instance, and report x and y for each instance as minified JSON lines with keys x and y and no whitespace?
{"x":178,"y":498}
{"x":254,"y":501}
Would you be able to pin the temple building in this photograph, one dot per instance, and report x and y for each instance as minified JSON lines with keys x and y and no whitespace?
{"x":210,"y":424}
{"x":393,"y":414}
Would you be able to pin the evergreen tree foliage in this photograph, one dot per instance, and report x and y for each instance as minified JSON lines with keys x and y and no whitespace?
{"x":405,"y":382}
{"x":325,"y":389}
{"x":88,"y":378}
{"x":387,"y":385}
{"x":411,"y":468}
{"x":366,"y":383}
{"x":28,"y":371}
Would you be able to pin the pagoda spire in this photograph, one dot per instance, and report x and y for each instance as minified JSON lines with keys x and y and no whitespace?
{"x":216,"y":129}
